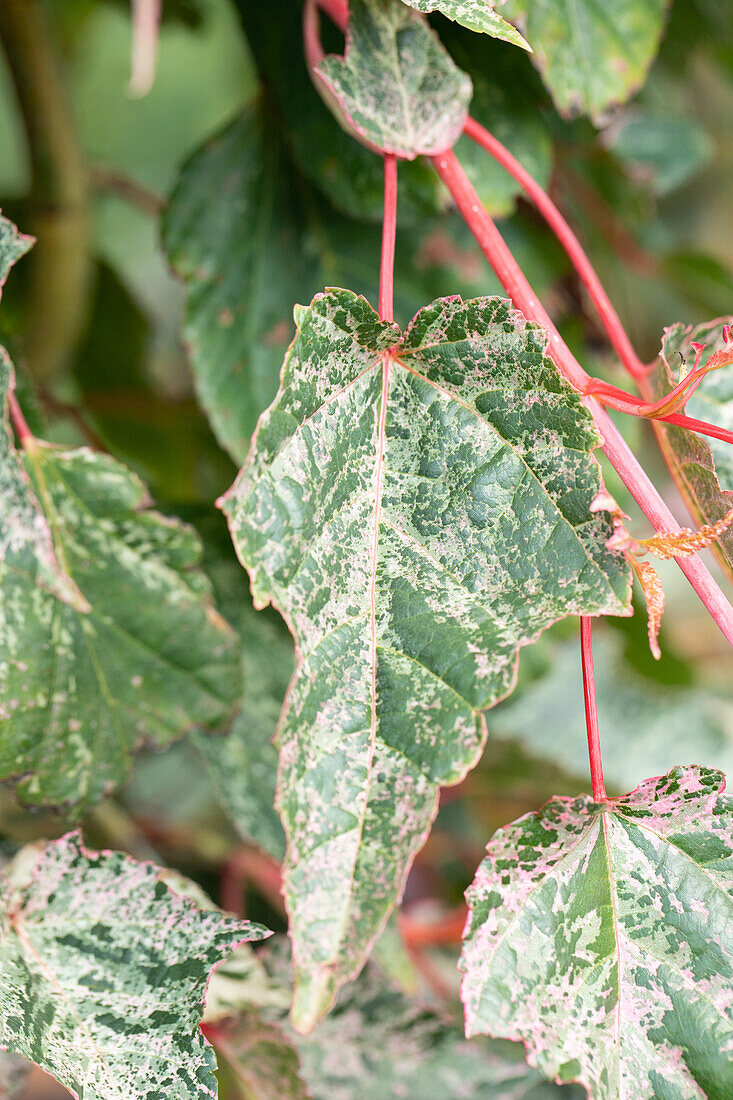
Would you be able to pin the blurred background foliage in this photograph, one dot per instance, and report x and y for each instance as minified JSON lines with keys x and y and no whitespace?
{"x":95,"y":319}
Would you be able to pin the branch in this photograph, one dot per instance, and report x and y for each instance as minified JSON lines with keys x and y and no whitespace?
{"x":622,"y":459}
{"x":567,"y":238}
{"x":59,"y":265}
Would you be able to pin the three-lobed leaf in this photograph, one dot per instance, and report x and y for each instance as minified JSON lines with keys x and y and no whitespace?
{"x":477,"y":15}
{"x":396,"y":89}
{"x":592,"y":56}
{"x":103,"y":971}
{"x":417,"y":506}
{"x":702,"y":468}
{"x":601,"y":935}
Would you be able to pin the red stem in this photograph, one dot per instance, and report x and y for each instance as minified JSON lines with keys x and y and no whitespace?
{"x":637,"y":406}
{"x":622,"y":459}
{"x":312,"y":47}
{"x":567,"y":238}
{"x":591,"y":710}
{"x":25,"y":436}
{"x":336,"y":10}
{"x":389,"y":230}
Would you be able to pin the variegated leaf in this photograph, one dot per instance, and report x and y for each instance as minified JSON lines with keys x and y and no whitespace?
{"x":591,"y":55}
{"x":477,"y":15}
{"x":103,"y":971}
{"x":601,"y":935}
{"x":396,"y":90}
{"x":145,"y":656}
{"x":417,"y":506}
{"x":702,"y":468}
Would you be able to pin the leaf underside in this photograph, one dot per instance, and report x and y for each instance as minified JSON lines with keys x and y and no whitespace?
{"x":601,"y":935}
{"x":417,"y":507}
{"x":702,"y":468}
{"x":591,"y":56}
{"x":103,"y":972}
{"x":143,"y":659}
{"x":477,"y":15}
{"x":396,"y":89}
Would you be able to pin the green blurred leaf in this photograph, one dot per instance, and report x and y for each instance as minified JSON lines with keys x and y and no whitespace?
{"x":665,"y":151}
{"x":243,"y":763}
{"x":601,"y":936}
{"x":591,"y":57}
{"x":645,"y":728}
{"x":104,"y":971}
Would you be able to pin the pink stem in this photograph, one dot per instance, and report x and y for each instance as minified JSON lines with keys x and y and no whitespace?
{"x":314,"y":53}
{"x":389,"y":229}
{"x":622,"y":459}
{"x":567,"y":238}
{"x":591,"y":710}
{"x":336,"y":10}
{"x":25,"y":436}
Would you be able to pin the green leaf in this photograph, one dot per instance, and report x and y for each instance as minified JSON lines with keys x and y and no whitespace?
{"x":702,"y":468}
{"x":650,"y":725}
{"x":143,"y":658}
{"x":103,"y":971}
{"x":396,"y":90}
{"x":601,"y":935}
{"x":379,"y":1043}
{"x":25,"y":529}
{"x":477,"y":15}
{"x":591,"y":57}
{"x":417,"y":506}
{"x":264,"y":1064}
{"x":243,"y":764}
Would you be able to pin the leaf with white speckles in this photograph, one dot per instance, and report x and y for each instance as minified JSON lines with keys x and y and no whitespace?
{"x":602,"y":936}
{"x":477,"y":15}
{"x":702,"y":468}
{"x":143,"y":659}
{"x":103,"y":971}
{"x":592,"y":55}
{"x":417,"y":506}
{"x":396,"y":89}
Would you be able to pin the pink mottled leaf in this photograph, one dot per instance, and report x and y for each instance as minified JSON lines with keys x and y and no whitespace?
{"x":103,"y":971}
{"x":601,"y":935}
{"x":417,"y":505}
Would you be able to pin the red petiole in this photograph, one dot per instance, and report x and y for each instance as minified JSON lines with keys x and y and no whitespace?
{"x":591,"y":709}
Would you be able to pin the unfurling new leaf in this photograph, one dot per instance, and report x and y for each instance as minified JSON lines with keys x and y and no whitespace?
{"x":417,"y":506}
{"x":103,"y":971}
{"x":602,"y":936}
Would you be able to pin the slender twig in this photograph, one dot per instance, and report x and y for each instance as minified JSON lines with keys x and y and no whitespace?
{"x":591,"y":709}
{"x":389,"y":229}
{"x":112,"y":181}
{"x":622,"y":459}
{"x":145,"y":34}
{"x":569,"y":241}
{"x":25,"y":436}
